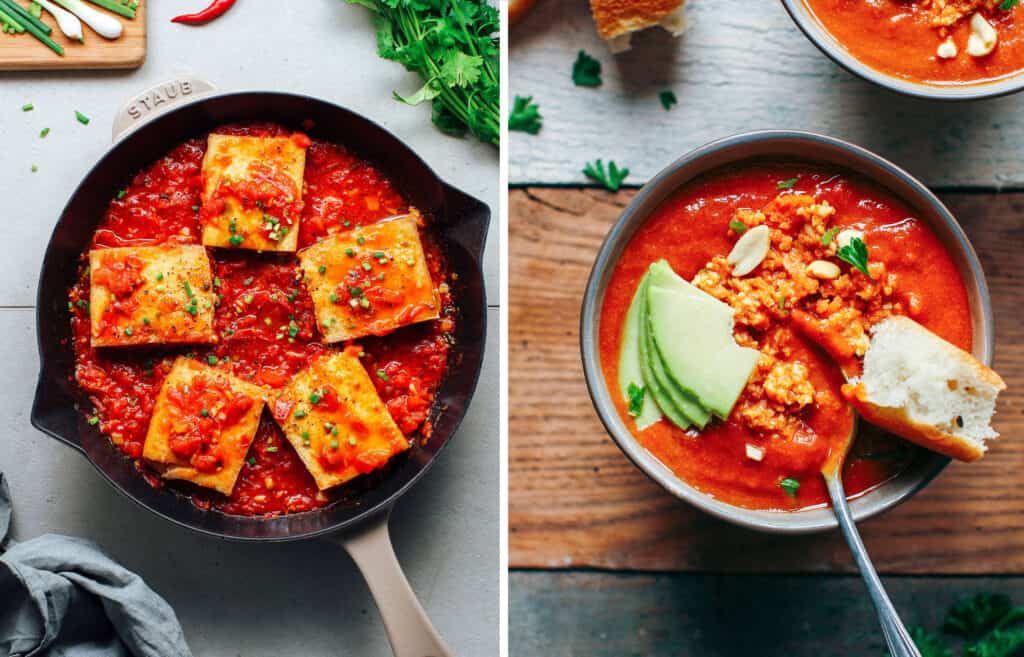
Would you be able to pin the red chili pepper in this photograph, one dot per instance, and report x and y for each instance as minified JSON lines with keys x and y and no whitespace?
{"x":216,"y":8}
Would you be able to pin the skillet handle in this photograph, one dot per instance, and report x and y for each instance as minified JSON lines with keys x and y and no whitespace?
{"x":153,"y":101}
{"x":469,"y":219}
{"x":409,"y":630}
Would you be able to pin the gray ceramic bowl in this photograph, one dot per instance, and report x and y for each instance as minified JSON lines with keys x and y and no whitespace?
{"x":786,"y":145}
{"x":837,"y":52}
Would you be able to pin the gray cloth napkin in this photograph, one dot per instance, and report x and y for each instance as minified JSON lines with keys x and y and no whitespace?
{"x":62,"y":597}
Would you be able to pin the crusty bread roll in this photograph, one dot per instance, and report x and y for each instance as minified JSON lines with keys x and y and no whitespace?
{"x":517,"y":9}
{"x":924,"y":389}
{"x":618,"y":19}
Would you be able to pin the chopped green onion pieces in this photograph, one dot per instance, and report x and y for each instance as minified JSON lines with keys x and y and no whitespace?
{"x":790,"y":485}
{"x":94,"y":420}
{"x":27,"y":107}
{"x":211,"y":359}
{"x":82,"y":118}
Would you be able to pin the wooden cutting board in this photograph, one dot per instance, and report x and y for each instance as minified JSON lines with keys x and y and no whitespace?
{"x":23,"y":52}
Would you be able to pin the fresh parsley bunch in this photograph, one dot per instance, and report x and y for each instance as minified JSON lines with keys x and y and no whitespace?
{"x":453,"y":46}
{"x":987,"y":623}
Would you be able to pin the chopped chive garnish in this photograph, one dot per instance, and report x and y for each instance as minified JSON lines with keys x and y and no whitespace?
{"x":204,"y":413}
{"x":82,"y":118}
{"x":247,"y":281}
{"x":211,"y":359}
{"x":790,"y":485}
{"x":350,"y":252}
{"x":787,"y":184}
{"x":236,"y":240}
{"x":300,"y":413}
{"x":248,"y":298}
{"x":322,"y":269}
{"x":738,"y":226}
{"x":271,"y":450}
{"x":367,"y":266}
{"x":27,"y":107}
{"x":382,"y":375}
{"x":43,"y":133}
{"x":188,"y":290}
{"x":128,"y":331}
{"x":94,"y":420}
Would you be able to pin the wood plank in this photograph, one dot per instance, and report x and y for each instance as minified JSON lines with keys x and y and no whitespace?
{"x":575,"y":501}
{"x":23,"y":52}
{"x":738,"y":67}
{"x":614,"y":614}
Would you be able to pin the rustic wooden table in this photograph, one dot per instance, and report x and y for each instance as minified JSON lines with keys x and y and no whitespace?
{"x":604,"y":562}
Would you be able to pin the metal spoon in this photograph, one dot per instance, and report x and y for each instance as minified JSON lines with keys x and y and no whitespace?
{"x":896,"y":635}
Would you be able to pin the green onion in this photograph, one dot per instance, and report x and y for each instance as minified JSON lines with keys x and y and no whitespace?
{"x":27,"y":107}
{"x":322,"y":269}
{"x":352,"y":440}
{"x":128,"y":331}
{"x":738,"y":226}
{"x":350,"y":252}
{"x":35,"y":167}
{"x":367,"y":266}
{"x":43,"y":133}
{"x":82,"y":118}
{"x":112,"y":5}
{"x":94,"y":420}
{"x":334,"y":444}
{"x":236,"y":240}
{"x":211,"y":359}
{"x":204,"y":413}
{"x":247,"y":281}
{"x":121,"y":194}
{"x":36,"y":27}
{"x":271,"y":450}
{"x":790,"y":485}
{"x":300,"y":413}
{"x":787,"y":184}
{"x":382,"y":375}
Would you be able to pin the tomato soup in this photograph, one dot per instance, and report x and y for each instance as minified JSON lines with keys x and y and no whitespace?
{"x":791,"y":410}
{"x":257,"y":295}
{"x":903,"y":37}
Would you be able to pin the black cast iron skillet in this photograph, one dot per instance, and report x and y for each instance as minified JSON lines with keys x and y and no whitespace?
{"x":359,"y":521}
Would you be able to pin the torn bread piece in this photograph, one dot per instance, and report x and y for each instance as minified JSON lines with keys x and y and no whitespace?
{"x":924,"y":389}
{"x":370,"y":280}
{"x":150,"y":295}
{"x":332,"y":415}
{"x":618,"y":19}
{"x":252,"y":191}
{"x":203,"y":422}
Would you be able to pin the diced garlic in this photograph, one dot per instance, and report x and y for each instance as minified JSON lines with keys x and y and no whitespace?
{"x":754,"y":452}
{"x":848,"y":235}
{"x":823,"y":269}
{"x":749,"y":250}
{"x":947,"y":49}
{"x":983,"y":38}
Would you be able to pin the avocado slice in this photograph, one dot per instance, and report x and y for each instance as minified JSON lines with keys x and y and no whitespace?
{"x":692,"y":332}
{"x":685,"y":404}
{"x":654,"y":386}
{"x":629,"y":359}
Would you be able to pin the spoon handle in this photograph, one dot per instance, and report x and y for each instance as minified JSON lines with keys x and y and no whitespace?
{"x":896,"y":635}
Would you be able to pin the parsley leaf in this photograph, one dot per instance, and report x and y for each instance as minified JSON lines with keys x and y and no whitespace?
{"x":453,"y":46}
{"x":976,"y":615}
{"x":855,"y":253}
{"x":612,"y":180}
{"x":1000,"y":643}
{"x":636,"y":398}
{"x":787,"y":184}
{"x":525,"y":116}
{"x":586,"y":71}
{"x":790,"y":485}
{"x":1007,"y":5}
{"x":668,"y":99}
{"x":737,"y":226}
{"x":829,"y":235}
{"x":928,"y":644}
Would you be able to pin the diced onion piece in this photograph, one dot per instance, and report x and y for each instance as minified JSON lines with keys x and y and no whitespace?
{"x":755,"y":453}
{"x":749,"y":250}
{"x":983,"y":38}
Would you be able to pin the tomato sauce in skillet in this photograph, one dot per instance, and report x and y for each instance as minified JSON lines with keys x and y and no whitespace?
{"x":692,"y":227}
{"x":902,"y":37}
{"x":258,"y":293}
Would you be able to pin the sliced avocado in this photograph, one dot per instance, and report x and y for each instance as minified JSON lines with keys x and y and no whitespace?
{"x":629,"y":359}
{"x":692,"y":332}
{"x":658,"y":393}
{"x":662,"y":275}
{"x":684,"y":403}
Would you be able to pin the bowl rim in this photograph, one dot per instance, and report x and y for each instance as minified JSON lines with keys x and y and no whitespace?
{"x":816,"y":33}
{"x":637,"y":212}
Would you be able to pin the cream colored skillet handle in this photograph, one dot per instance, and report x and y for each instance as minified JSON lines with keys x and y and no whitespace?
{"x":407,"y":625}
{"x":157,"y":99}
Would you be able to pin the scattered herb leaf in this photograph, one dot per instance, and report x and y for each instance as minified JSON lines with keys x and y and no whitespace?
{"x":738,"y":226}
{"x":611,"y":180}
{"x":525,"y":116}
{"x":787,"y":184}
{"x":668,"y":99}
{"x":790,"y":485}
{"x":829,"y":235}
{"x":586,"y":71}
{"x":855,"y":253}
{"x":636,"y":398}
{"x":1007,"y":5}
